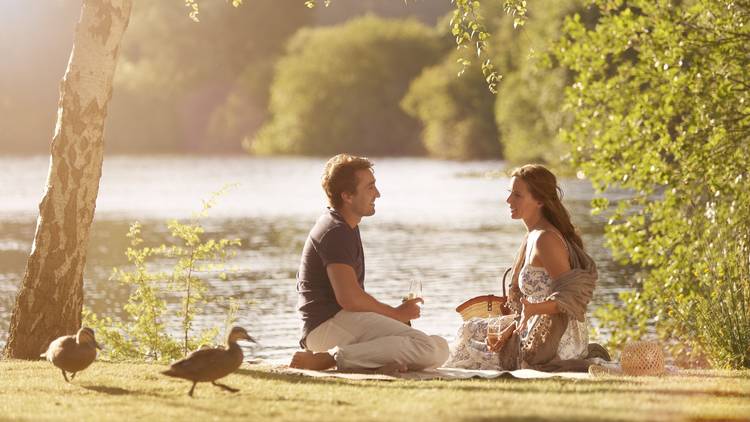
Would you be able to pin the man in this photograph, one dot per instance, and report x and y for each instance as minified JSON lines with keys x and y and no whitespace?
{"x":343,"y":326}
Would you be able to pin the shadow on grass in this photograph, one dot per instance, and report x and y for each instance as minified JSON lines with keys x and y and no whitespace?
{"x":556,"y":418}
{"x":507,"y":385}
{"x":293,"y":378}
{"x":115,"y":391}
{"x":472,"y":384}
{"x":744,"y":375}
{"x":582,"y":388}
{"x":198,"y":404}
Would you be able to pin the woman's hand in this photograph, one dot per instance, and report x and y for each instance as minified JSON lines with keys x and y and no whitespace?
{"x":501,"y":339}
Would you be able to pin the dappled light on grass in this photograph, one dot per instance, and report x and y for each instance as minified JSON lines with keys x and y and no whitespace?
{"x":120,"y":391}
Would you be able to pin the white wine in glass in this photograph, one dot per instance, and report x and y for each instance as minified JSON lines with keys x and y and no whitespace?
{"x":415,"y":290}
{"x":493,"y":331}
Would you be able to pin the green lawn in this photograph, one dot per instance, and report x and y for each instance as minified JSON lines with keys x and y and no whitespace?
{"x":35,"y":391}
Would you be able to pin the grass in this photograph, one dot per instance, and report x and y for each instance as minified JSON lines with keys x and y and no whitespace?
{"x":36,"y":391}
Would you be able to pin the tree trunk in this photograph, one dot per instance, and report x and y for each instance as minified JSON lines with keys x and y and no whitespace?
{"x":50,"y":298}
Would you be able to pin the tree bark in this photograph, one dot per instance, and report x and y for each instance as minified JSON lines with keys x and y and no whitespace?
{"x":50,"y":299}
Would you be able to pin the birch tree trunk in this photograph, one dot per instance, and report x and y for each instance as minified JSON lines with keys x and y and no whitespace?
{"x":50,"y":298}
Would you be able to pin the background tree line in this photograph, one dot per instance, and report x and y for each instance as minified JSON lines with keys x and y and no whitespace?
{"x":261,"y":76}
{"x":391,"y":87}
{"x":181,"y":86}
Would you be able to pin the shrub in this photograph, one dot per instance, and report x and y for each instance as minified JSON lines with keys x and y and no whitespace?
{"x":145,"y":334}
{"x":338,"y":89}
{"x":457,"y":113}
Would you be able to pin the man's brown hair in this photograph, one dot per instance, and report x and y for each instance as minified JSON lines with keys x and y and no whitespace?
{"x":340,"y":176}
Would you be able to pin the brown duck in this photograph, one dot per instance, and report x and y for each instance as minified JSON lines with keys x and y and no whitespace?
{"x":210,"y":364}
{"x":73,"y":353}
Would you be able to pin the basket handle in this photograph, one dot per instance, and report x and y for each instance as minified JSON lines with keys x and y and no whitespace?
{"x":505,"y":275}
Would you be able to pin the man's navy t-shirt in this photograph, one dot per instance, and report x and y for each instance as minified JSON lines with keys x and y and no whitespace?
{"x":331,"y":241}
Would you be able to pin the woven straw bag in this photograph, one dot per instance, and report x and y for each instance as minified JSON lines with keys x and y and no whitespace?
{"x":637,"y":359}
{"x":485,"y":306}
{"x":642,"y":358}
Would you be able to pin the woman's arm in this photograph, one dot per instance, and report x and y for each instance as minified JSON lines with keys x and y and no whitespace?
{"x":546,"y":307}
{"x":529,"y":309}
{"x":553,"y":254}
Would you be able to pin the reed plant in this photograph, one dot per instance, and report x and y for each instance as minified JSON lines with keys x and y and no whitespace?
{"x":722,"y":305}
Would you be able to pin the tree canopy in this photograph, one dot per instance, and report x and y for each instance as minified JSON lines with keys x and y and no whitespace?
{"x":661,"y":107}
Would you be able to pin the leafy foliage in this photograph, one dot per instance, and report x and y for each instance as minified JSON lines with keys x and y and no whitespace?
{"x":146,"y":333}
{"x":194,"y":7}
{"x":338,"y":89}
{"x":312,"y":3}
{"x":661,"y":105}
{"x":468,"y":28}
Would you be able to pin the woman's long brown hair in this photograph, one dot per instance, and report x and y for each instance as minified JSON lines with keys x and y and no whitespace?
{"x":543,"y":187}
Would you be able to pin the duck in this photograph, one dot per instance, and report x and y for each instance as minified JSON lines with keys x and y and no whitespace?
{"x":210,"y":364}
{"x":73,"y":353}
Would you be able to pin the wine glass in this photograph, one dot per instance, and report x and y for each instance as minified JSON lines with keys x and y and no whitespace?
{"x":493,"y":331}
{"x":415,"y":290}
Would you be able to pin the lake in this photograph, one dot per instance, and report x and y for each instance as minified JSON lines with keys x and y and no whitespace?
{"x":444,"y":223}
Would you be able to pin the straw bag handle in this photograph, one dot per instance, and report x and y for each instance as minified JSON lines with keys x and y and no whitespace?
{"x":503,"y":282}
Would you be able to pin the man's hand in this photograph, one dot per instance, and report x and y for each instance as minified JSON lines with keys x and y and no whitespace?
{"x":409,"y":310}
{"x":352,"y":298}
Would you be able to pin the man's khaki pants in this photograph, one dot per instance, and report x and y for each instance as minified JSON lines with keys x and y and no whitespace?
{"x":367,"y":340}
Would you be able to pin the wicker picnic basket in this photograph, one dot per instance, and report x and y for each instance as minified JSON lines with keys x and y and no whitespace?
{"x":485,"y":306}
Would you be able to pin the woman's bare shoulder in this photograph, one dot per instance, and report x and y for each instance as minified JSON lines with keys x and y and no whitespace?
{"x":553,"y":253}
{"x":551,"y":242}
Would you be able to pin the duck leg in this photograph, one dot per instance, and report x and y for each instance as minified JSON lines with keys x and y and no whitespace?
{"x":73,"y":375}
{"x":64,"y":376}
{"x":225,"y":387}
{"x":190,"y":393}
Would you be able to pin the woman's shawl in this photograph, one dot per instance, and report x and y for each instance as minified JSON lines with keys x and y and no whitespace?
{"x":572,"y":291}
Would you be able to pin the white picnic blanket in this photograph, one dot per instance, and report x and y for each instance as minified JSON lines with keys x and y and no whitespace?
{"x":438,"y":374}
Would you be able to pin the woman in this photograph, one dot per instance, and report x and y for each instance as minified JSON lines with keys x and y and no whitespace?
{"x":553,"y":281}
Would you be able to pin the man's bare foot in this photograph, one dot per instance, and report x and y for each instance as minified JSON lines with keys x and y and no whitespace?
{"x":392,"y":369}
{"x":310,"y":360}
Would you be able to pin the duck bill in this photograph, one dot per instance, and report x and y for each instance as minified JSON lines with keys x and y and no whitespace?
{"x":99,"y":346}
{"x":248,"y":338}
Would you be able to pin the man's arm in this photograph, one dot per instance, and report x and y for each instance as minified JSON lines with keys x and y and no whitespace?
{"x":352,"y":298}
